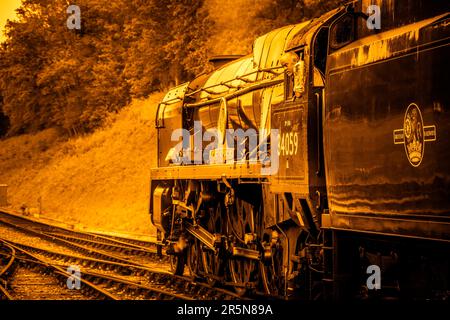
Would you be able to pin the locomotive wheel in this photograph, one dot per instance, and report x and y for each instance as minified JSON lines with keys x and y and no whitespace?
{"x":242,"y":272}
{"x":194,"y":258}
{"x":241,"y":220}
{"x":212,"y":265}
{"x":272,"y":273}
{"x":177,"y":264}
{"x":212,"y":261}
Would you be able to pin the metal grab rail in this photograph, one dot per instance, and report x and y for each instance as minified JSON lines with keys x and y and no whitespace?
{"x":240,"y":78}
{"x":232,"y":95}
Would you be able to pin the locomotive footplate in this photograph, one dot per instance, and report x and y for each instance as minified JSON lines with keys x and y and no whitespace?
{"x":233,"y":170}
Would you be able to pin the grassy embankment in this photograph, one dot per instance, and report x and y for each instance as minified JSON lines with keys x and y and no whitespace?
{"x":99,"y":181}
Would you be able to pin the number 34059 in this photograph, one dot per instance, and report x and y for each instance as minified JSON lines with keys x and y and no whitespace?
{"x":288,"y":143}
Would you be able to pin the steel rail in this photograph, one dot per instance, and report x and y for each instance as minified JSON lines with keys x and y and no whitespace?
{"x":59,"y":240}
{"x":112,"y":283}
{"x":57,"y":271}
{"x":136,"y":288}
{"x":136,"y":243}
{"x":5,"y":293}
{"x":104,"y":245}
{"x":5,"y":271}
{"x":7,"y":267}
{"x":121,"y":268}
{"x":102,"y":261}
{"x":142,"y":244}
{"x":157,"y":278}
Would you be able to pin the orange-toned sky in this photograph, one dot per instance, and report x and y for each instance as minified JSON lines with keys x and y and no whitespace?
{"x":7,"y":8}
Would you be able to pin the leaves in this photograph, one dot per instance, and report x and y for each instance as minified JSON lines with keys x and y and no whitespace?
{"x":51,"y":76}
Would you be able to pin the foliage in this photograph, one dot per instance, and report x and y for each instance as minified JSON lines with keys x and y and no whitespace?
{"x":51,"y":76}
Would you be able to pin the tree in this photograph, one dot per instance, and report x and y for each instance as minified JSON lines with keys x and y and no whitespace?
{"x":4,"y":120}
{"x":167,"y":44}
{"x":51,"y":75}
{"x":21,"y":58}
{"x":185,"y":49}
{"x":277,"y":13}
{"x":146,"y":33}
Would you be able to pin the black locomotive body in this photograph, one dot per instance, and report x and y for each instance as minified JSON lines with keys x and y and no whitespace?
{"x":330,"y":159}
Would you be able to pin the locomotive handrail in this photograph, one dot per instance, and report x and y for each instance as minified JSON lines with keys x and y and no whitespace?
{"x":240,"y":78}
{"x":319,"y":130}
{"x":235,"y":94}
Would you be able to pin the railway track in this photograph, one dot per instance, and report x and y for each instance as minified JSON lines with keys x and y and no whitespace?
{"x":93,"y":285}
{"x":28,"y":277}
{"x":120,"y":250}
{"x":6,"y":265}
{"x":122,"y":240}
{"x":141,"y":280}
{"x":115,"y":266}
{"x":92,"y":245}
{"x":139,"y":245}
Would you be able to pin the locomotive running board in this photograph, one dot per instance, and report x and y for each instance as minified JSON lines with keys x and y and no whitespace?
{"x":205,"y":237}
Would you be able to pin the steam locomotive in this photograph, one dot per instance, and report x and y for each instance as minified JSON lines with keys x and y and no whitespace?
{"x":316,"y":167}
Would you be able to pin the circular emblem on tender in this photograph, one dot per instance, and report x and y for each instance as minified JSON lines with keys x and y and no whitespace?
{"x":414,"y":135}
